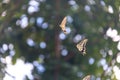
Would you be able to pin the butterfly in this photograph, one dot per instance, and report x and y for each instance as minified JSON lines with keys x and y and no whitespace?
{"x":62,"y":25}
{"x":81,"y":46}
{"x":87,"y":77}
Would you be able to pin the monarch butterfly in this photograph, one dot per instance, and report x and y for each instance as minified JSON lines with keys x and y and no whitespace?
{"x":63,"y":23}
{"x":87,"y":77}
{"x":81,"y":46}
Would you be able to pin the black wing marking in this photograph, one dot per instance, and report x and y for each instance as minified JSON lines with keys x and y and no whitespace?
{"x":82,"y":46}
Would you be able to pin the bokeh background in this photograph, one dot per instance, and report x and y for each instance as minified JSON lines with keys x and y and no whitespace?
{"x":33,"y":46}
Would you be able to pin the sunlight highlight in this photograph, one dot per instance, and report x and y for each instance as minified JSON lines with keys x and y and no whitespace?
{"x":11,"y":46}
{"x":77,"y":38}
{"x":43,"y":45}
{"x":116,"y":71}
{"x":110,"y":52}
{"x":30,"y":42}
{"x":69,"y":19}
{"x":62,"y":36}
{"x":19,"y":70}
{"x":68,"y":30}
{"x":24,"y":21}
{"x":102,"y":3}
{"x":87,"y":8}
{"x":5,"y":1}
{"x":72,"y":2}
{"x":40,"y":21}
{"x":118,"y":46}
{"x":39,"y":66}
{"x":91,"y":2}
{"x":91,"y":61}
{"x":12,"y":52}
{"x":118,"y":58}
{"x":110,"y":9}
{"x":33,"y":6}
{"x":64,"y":52}
{"x":4,"y":13}
{"x":113,"y":33}
{"x":5,"y":47}
{"x":45,"y":25}
{"x":103,"y":62}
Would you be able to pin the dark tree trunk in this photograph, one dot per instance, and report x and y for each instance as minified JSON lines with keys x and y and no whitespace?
{"x":57,"y":40}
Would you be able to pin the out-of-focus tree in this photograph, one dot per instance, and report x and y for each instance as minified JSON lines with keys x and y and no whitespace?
{"x":29,"y":29}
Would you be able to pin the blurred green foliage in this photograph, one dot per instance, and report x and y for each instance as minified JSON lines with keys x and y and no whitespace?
{"x":90,"y":19}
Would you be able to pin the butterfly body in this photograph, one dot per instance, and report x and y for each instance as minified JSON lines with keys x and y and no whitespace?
{"x":87,"y":77}
{"x":63,"y":24}
{"x":81,"y":46}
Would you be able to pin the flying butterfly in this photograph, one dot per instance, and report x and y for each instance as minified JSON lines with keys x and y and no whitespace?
{"x":62,"y":25}
{"x":87,"y":77}
{"x":81,"y":46}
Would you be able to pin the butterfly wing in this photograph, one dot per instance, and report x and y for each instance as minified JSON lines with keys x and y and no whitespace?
{"x":87,"y":77}
{"x":63,"y":23}
{"x":81,"y":46}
